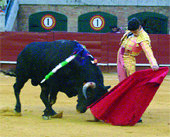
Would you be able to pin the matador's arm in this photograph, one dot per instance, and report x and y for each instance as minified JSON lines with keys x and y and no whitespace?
{"x":149,"y":54}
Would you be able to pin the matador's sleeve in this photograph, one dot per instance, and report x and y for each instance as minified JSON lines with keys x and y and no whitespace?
{"x":149,"y":53}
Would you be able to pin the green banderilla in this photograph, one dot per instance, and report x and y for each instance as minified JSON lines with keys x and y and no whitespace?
{"x":60,"y":65}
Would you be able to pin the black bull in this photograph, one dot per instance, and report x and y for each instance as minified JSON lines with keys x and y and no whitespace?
{"x":38,"y":58}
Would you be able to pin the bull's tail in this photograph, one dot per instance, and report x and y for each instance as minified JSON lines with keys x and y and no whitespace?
{"x":10,"y":72}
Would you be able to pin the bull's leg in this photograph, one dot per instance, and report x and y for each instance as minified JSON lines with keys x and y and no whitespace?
{"x":18,"y":103}
{"x":53,"y":96}
{"x":44,"y":97}
{"x":52,"y":100}
{"x":17,"y":89}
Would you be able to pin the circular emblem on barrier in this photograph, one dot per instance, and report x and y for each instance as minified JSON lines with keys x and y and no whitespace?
{"x":97,"y":22}
{"x":48,"y":22}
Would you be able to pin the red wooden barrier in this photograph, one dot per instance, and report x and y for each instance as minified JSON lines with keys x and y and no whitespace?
{"x":103,"y":46}
{"x":163,"y":49}
{"x":12,"y":43}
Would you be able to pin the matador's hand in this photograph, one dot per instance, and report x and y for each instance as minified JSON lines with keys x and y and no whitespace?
{"x":155,"y":67}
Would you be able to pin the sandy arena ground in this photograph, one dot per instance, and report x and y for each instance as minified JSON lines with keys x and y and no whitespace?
{"x":156,"y":119}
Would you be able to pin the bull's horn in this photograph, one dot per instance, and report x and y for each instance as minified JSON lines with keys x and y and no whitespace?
{"x":87,"y":85}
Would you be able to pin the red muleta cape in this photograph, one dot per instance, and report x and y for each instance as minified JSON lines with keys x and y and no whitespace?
{"x":126,"y":102}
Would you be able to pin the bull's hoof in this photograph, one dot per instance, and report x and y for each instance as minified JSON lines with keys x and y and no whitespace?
{"x":17,"y":109}
{"x":17,"y":113}
{"x":58,"y":115}
{"x":46,"y":117}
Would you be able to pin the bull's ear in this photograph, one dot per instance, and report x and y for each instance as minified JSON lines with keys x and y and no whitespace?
{"x":107,"y":87}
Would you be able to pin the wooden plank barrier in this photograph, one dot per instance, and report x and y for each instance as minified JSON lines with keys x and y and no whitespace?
{"x":103,"y":46}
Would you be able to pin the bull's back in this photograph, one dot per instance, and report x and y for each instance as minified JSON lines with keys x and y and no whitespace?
{"x":38,"y":58}
{"x":46,"y":51}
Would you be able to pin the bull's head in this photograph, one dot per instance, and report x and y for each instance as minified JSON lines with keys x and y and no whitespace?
{"x":92,"y":86}
{"x":91,"y":92}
